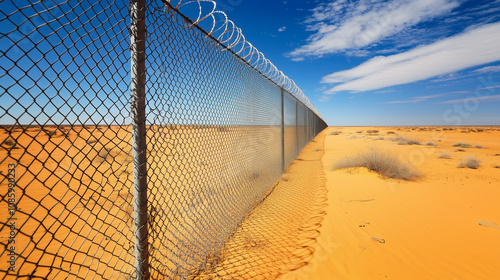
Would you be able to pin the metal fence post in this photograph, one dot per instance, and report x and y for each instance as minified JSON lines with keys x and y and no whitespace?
{"x":282,"y":132}
{"x":138,"y":112}
{"x":297,"y":147}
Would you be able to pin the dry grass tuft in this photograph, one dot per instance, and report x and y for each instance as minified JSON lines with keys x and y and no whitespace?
{"x":385,"y":164}
{"x":462,"y":145}
{"x":372,"y":131}
{"x":478,"y":146}
{"x":336,"y":132}
{"x":470,"y":162}
{"x":444,"y":155}
{"x":405,"y":141}
{"x":430,"y":143}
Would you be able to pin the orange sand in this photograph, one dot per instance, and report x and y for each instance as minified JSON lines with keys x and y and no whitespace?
{"x":445,"y":225}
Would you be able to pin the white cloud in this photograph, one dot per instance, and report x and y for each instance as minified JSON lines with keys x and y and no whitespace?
{"x":492,"y":87}
{"x":404,"y":101}
{"x":468,"y":49}
{"x":488,"y":69}
{"x":341,"y":24}
{"x":418,"y":99}
{"x":486,"y":98}
{"x":281,"y":29}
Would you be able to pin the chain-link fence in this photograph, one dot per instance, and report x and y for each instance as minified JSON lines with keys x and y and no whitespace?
{"x":135,"y":138}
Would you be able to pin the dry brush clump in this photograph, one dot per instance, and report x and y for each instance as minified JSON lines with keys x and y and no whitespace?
{"x":470,"y":162}
{"x":462,"y":145}
{"x":430,"y":143}
{"x":444,"y":155}
{"x":336,"y":132}
{"x":384,"y":163}
{"x":405,"y":141}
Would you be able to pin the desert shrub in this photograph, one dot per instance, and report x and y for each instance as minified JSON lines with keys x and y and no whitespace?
{"x":385,"y":164}
{"x":478,"y":146}
{"x":405,"y":141}
{"x":359,"y":131}
{"x":336,"y":132}
{"x":497,"y":155}
{"x":9,"y":144}
{"x":390,"y":132}
{"x":496,"y":166}
{"x":470,"y":162}
{"x":49,"y":132}
{"x":444,"y":155}
{"x":372,"y":131}
{"x":460,"y":150}
{"x":430,"y":143}
{"x":462,"y":145}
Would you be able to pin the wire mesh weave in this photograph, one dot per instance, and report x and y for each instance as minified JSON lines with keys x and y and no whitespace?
{"x":215,"y":132}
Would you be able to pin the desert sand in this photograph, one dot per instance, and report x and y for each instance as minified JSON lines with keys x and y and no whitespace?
{"x":73,"y":193}
{"x":314,"y":223}
{"x":443,"y":225}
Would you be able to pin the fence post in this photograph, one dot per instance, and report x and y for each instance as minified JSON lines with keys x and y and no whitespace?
{"x":282,"y":132}
{"x":297,"y":147}
{"x":138,"y":114}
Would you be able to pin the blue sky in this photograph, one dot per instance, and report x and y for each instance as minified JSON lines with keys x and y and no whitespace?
{"x":414,"y":62}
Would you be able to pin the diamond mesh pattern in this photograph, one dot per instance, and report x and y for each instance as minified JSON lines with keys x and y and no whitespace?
{"x":214,"y":142}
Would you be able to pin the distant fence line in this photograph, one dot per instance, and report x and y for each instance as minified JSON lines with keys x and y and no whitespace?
{"x":135,"y":137}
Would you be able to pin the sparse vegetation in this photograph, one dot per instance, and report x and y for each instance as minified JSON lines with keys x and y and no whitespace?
{"x":497,"y":155}
{"x":359,"y":131}
{"x":336,"y":132}
{"x":444,"y":155}
{"x":9,"y":144}
{"x":430,"y":143}
{"x":405,"y":141}
{"x":462,"y":145}
{"x":390,"y":132}
{"x":460,"y":150}
{"x":372,"y":131}
{"x":470,"y":162}
{"x":385,"y":164}
{"x":496,"y":166}
{"x":478,"y":146}
{"x":49,"y":132}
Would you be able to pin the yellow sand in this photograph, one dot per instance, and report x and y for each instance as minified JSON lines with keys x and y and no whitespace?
{"x":445,"y":225}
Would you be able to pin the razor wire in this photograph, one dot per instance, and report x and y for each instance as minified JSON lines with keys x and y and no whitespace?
{"x":218,"y":113}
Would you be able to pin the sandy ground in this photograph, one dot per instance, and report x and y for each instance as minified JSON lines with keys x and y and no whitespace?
{"x":444,"y":225}
{"x":73,"y":193}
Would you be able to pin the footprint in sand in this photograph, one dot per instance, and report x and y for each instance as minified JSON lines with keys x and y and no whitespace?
{"x":488,"y":224}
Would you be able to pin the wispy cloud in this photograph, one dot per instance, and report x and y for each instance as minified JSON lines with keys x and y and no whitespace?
{"x":343,"y":25}
{"x":486,"y":98}
{"x":418,"y":99}
{"x":405,"y":101}
{"x":488,"y":69}
{"x":492,"y":87}
{"x":281,"y":29}
{"x":468,"y":49}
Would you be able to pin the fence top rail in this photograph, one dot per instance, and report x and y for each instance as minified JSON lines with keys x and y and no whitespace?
{"x":204,"y":15}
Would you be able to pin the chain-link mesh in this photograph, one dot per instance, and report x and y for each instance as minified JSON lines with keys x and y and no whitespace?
{"x":213,"y":132}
